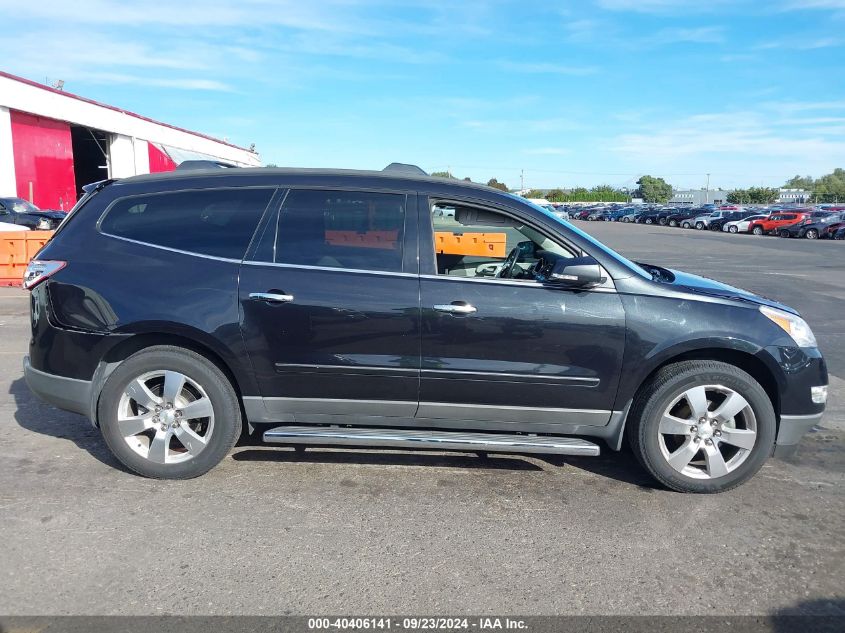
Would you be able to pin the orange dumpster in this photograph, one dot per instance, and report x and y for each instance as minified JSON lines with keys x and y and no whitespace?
{"x":483,"y":244}
{"x":16,"y":249}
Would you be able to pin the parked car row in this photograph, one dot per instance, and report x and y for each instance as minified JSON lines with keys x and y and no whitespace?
{"x":784,"y":221}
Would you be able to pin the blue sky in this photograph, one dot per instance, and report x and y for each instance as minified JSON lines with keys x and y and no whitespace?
{"x":573,"y":93}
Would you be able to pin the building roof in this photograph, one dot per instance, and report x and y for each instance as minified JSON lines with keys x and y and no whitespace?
{"x":141,"y":117}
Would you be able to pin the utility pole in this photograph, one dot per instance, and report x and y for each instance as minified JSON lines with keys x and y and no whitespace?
{"x":707,"y":191}
{"x":522,"y":180}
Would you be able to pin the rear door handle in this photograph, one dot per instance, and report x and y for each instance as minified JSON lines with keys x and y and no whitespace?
{"x":271,"y":297}
{"x":456,"y":307}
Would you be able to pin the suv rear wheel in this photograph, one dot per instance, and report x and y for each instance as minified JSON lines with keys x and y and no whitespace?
{"x":169,"y":413}
{"x":702,"y":426}
{"x":757,"y":230}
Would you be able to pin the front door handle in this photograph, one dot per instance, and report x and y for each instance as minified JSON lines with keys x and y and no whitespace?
{"x":271,"y":297}
{"x":456,"y":307}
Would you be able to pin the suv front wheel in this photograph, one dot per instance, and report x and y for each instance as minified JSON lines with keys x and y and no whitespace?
{"x":169,"y":413}
{"x":702,"y":426}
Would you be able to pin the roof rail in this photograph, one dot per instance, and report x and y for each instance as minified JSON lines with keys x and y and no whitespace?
{"x":405,"y":168}
{"x":191,"y":165}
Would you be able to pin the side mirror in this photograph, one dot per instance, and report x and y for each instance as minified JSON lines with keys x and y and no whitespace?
{"x":577,"y":272}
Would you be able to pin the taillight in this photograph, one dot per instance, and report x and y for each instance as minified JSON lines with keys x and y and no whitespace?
{"x":39,"y":270}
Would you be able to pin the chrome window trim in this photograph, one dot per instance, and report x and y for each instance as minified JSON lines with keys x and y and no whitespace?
{"x":526,"y":283}
{"x":331,"y":269}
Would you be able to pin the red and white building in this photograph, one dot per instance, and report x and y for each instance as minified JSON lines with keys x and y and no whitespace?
{"x":53,"y":142}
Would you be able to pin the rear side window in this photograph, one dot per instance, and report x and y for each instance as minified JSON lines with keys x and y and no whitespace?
{"x":341,"y":229}
{"x":218,"y":222}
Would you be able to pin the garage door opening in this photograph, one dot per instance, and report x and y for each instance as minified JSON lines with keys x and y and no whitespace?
{"x":90,"y":155}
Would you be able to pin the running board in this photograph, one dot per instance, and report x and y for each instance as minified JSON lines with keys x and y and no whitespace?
{"x":438,"y":440}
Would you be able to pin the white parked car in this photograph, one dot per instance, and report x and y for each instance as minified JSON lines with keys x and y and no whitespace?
{"x":703,"y":221}
{"x":8,"y":226}
{"x":741,"y":226}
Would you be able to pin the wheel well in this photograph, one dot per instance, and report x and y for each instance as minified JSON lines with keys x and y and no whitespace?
{"x":746,"y":362}
{"x":125,"y":349}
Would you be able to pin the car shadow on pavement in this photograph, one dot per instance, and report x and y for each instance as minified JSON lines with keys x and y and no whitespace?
{"x":619,"y":466}
{"x":39,"y":417}
{"x":385,"y":457}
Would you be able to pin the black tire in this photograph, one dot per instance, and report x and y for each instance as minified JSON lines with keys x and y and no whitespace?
{"x":686,"y":225}
{"x":811,"y":234}
{"x":784,"y":233}
{"x":224,"y":403}
{"x":649,"y":221}
{"x":700,"y":226}
{"x":757,"y":230}
{"x":659,"y":392}
{"x":662,"y":221}
{"x":733,"y":229}
{"x":626,"y":220}
{"x":673,"y":223}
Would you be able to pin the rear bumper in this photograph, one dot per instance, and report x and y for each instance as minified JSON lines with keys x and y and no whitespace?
{"x":65,"y":393}
{"x":792,"y":429}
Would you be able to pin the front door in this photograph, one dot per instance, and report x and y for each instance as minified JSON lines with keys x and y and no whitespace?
{"x":500,"y":348}
{"x":330,"y":311}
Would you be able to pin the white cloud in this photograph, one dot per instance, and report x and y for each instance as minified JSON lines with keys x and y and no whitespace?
{"x":743,"y":142}
{"x":664,"y":6}
{"x":547,"y":151}
{"x":546,"y":68}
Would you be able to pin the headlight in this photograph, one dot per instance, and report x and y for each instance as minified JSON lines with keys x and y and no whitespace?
{"x":43,"y":224}
{"x":793,"y":325}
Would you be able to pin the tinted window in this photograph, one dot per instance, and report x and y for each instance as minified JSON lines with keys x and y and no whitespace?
{"x":342,"y":229}
{"x":217,"y":222}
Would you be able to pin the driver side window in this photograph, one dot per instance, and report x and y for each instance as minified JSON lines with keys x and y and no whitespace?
{"x":476,"y":242}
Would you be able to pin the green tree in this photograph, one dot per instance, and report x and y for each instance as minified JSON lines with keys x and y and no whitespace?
{"x":831,"y":187}
{"x":556,"y":195}
{"x":753,"y":195}
{"x":535,"y":193}
{"x":497,"y":185}
{"x":442,"y":174}
{"x":653,"y":189}
{"x":800,"y":182}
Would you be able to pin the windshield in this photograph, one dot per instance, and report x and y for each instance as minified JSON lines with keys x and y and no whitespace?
{"x":19,"y":205}
{"x":606,"y":250}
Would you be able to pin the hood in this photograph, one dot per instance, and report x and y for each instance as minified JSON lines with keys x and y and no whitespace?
{"x":711,"y":288}
{"x":47,"y":213}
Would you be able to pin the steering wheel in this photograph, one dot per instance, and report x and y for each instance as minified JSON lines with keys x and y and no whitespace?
{"x":506,"y":271}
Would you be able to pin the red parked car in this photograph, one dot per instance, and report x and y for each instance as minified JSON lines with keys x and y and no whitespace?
{"x":777,"y":221}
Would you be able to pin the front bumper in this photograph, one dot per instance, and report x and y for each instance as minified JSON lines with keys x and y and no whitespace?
{"x":65,"y":393}
{"x":792,"y":429}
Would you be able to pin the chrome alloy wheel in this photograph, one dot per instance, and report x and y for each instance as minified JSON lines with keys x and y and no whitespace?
{"x":165,"y":417}
{"x":707,"y":432}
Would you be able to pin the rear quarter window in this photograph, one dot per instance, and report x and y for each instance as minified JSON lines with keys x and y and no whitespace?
{"x":217,"y":222}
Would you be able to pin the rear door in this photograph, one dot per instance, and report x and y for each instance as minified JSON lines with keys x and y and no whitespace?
{"x":330,"y":307}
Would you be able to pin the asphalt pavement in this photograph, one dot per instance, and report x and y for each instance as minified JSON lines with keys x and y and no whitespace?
{"x":271,"y":531}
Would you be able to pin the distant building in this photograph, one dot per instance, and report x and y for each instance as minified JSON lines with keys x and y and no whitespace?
{"x":698,"y":197}
{"x":794,"y":196}
{"x":53,"y":142}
